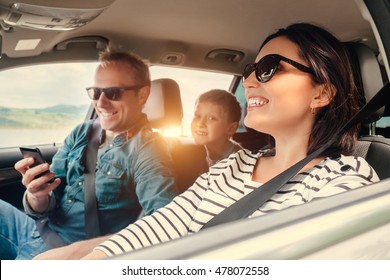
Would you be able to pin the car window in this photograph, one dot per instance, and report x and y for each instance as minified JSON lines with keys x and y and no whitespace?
{"x":384,"y":122}
{"x":240,"y":95}
{"x":41,"y":104}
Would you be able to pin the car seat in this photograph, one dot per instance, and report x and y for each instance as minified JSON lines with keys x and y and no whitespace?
{"x":163,"y":107}
{"x":164,"y":110}
{"x":374,"y":148}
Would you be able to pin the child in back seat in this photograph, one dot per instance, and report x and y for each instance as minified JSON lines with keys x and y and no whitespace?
{"x":216,"y":118}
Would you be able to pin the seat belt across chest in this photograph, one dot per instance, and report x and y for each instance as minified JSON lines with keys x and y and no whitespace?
{"x":92,"y":227}
{"x":247,"y":205}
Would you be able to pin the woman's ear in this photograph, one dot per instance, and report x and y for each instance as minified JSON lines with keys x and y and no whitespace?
{"x":323,"y":96}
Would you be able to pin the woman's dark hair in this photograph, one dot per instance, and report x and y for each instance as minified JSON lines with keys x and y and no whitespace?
{"x":329,"y":59}
{"x":224,"y":98}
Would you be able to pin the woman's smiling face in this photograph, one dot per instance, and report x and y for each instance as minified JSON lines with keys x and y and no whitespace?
{"x":283,"y":103}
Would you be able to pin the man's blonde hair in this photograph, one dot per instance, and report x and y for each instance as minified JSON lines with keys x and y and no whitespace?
{"x":141,"y":70}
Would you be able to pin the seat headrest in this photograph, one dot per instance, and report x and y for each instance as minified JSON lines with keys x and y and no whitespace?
{"x":163,"y":107}
{"x":365,"y":60}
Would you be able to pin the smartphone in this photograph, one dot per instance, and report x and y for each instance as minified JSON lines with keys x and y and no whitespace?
{"x":38,"y":159}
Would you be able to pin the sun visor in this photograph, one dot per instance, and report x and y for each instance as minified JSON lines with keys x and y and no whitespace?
{"x":48,"y":18}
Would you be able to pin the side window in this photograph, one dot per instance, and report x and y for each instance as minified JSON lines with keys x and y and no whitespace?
{"x":42,"y":104}
{"x":383,"y":126}
{"x":240,"y":95}
{"x":192,"y":83}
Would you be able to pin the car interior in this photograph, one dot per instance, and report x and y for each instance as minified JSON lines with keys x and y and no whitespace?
{"x":164,"y":109}
{"x":217,"y":36}
{"x":374,"y":148}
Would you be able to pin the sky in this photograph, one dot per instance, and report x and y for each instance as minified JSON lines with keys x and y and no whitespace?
{"x":40,"y":87}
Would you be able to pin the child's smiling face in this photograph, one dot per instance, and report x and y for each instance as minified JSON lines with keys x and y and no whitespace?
{"x":210,"y":124}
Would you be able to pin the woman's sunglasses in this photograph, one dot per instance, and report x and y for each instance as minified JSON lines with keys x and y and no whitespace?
{"x":112,"y":93}
{"x":266,"y":67}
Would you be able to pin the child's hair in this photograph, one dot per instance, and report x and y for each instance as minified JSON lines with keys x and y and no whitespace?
{"x":224,"y":98}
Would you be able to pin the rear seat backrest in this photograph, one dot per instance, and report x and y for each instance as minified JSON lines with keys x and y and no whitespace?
{"x":375,"y":149}
{"x":164,"y":110}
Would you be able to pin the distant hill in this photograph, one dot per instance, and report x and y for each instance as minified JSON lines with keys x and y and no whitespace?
{"x":55,"y":116}
{"x":9,"y":123}
{"x":67,"y":109}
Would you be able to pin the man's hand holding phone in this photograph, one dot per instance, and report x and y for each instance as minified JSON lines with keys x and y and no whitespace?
{"x":37,"y":178}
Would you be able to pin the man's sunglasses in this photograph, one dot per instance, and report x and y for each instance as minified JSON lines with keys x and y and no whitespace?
{"x":112,"y":93}
{"x":266,"y":67}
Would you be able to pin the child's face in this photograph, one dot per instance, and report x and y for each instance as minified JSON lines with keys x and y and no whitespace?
{"x":210,"y":124}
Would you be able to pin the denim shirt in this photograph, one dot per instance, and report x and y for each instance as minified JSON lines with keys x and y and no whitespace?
{"x":130,"y":175}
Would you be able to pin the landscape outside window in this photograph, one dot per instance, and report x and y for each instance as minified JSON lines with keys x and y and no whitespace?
{"x":41,"y":104}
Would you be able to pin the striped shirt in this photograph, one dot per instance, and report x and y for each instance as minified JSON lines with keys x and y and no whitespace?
{"x":227,"y":182}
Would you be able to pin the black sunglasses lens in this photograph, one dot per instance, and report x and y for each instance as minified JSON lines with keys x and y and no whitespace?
{"x":94,"y":93}
{"x":247,"y":71}
{"x":266,"y":68}
{"x":113,"y":93}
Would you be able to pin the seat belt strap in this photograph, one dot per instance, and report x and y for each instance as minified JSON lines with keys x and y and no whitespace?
{"x":92,"y":228}
{"x":255,"y":199}
{"x":51,"y":238}
{"x":95,"y":136}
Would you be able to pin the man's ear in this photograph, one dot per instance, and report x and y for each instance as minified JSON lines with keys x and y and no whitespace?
{"x":323,"y":96}
{"x":143,"y":94}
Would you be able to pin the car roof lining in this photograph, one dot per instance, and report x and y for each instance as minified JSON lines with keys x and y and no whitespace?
{"x":239,"y":30}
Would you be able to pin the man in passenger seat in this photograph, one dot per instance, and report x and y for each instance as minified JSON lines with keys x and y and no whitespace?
{"x":216,"y":119}
{"x":133,"y":171}
{"x":301,"y":91}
